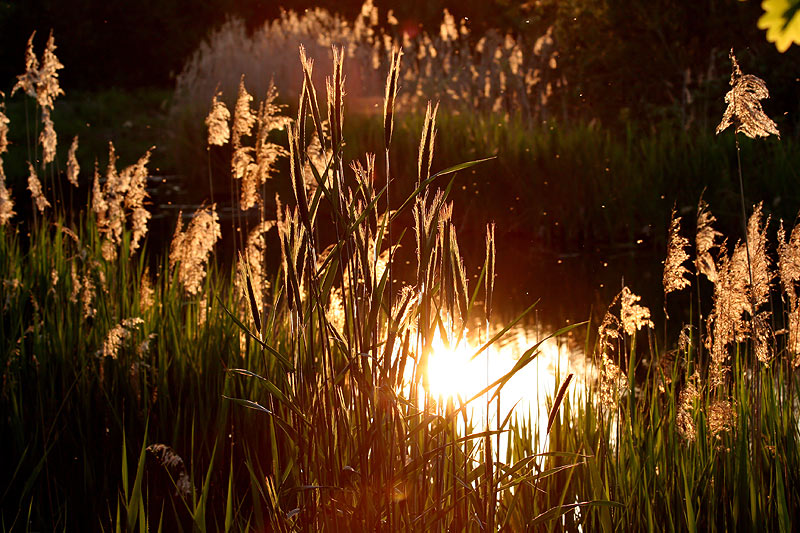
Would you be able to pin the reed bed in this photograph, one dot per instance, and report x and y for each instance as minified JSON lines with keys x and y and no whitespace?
{"x":295,"y":396}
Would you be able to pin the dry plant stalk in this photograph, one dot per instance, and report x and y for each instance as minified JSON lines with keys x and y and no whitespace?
{"x":4,"y":121}
{"x":119,"y":335}
{"x":688,"y":396}
{"x":73,"y":168}
{"x":47,"y":137}
{"x":336,"y":94}
{"x":190,"y":249}
{"x":123,"y":194}
{"x":426,"y":144}
{"x":6,"y":203}
{"x":35,"y":186}
{"x":789,"y":272}
{"x":735,"y":299}
{"x":613,"y":383}
{"x":759,"y":260}
{"x":267,"y":153}
{"x":674,"y":272}
{"x":243,"y":122}
{"x":40,"y":83}
{"x":731,"y":301}
{"x":633,"y":315}
{"x":391,"y":94}
{"x":146,"y":292}
{"x":87,"y":295}
{"x":217,"y":122}
{"x":744,"y":106}
{"x":612,"y":379}
{"x":75,"y":281}
{"x":253,"y":260}
{"x":721,"y":418}
{"x":705,"y":240}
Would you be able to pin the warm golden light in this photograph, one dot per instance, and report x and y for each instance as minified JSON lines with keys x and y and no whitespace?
{"x":452,"y":373}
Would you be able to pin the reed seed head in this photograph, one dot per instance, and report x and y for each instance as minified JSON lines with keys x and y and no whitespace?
{"x":73,"y":168}
{"x":47,"y":137}
{"x":119,"y":335}
{"x":426,"y":143}
{"x":6,"y":203}
{"x":217,"y":121}
{"x":633,"y":315}
{"x":35,"y":187}
{"x":4,"y":121}
{"x":759,"y":260}
{"x":684,"y":420}
{"x":190,"y":249}
{"x":744,"y":105}
{"x":28,"y":80}
{"x":392,"y":79}
{"x":705,"y":240}
{"x":674,"y":272}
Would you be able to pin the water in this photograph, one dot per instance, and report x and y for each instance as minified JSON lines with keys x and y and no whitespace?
{"x":570,"y":287}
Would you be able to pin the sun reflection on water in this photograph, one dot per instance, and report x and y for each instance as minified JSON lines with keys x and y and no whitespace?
{"x":454,"y":373}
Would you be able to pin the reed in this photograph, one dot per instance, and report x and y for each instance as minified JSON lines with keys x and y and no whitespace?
{"x":293,"y":392}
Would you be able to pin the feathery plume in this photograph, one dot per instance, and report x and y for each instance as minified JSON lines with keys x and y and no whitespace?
{"x":119,"y":335}
{"x":6,"y":203}
{"x":308,"y":67}
{"x":35,"y":186}
{"x":761,"y":332}
{"x":633,"y":315}
{"x":793,"y":343}
{"x":4,"y":121}
{"x":426,"y":144}
{"x":190,"y":249}
{"x":28,"y":80}
{"x":391,"y":95}
{"x":674,"y":271}
{"x":789,"y":270}
{"x":136,"y":176}
{"x":688,"y":396}
{"x":243,"y":122}
{"x":267,"y":153}
{"x":253,"y":260}
{"x":789,"y":260}
{"x":721,"y":418}
{"x":73,"y":168}
{"x":48,"y":88}
{"x":448,"y":30}
{"x":99,"y":204}
{"x":75,"y":281}
{"x":705,"y":241}
{"x":744,"y":106}
{"x":146,"y":292}
{"x":731,"y":302}
{"x":759,"y":260}
{"x":613,"y":383}
{"x":87,"y":296}
{"x":47,"y":137}
{"x":336,"y":93}
{"x":243,"y":117}
{"x":298,"y":181}
{"x":217,"y":122}
{"x":490,"y":272}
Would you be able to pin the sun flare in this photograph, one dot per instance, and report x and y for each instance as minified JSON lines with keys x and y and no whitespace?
{"x":454,"y":372}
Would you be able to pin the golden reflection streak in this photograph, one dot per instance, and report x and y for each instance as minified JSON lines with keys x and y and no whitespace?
{"x":529,"y":393}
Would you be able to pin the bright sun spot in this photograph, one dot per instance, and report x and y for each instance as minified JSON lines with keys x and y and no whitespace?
{"x":453,"y":373}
